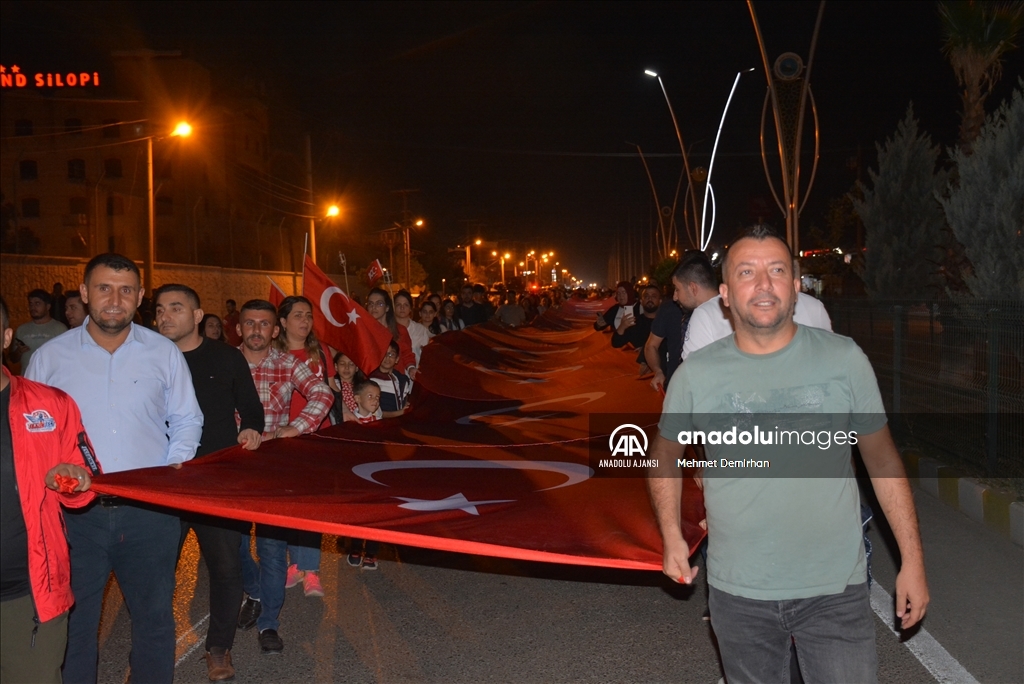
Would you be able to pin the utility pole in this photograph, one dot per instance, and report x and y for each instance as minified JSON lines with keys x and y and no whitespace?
{"x":312,"y":206}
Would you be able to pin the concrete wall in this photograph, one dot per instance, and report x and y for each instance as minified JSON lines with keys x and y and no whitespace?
{"x":21,"y":273}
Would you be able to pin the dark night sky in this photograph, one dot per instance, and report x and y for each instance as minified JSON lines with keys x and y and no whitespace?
{"x":516,"y":115}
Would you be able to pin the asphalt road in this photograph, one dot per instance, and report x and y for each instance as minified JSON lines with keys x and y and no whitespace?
{"x":432,"y":616}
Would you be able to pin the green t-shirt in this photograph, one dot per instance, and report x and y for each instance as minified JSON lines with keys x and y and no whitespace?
{"x":789,"y":528}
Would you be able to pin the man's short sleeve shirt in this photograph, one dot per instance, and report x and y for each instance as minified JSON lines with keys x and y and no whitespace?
{"x":772,"y":536}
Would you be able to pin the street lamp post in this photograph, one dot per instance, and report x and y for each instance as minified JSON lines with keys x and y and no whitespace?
{"x":682,"y":148}
{"x":182,"y":130}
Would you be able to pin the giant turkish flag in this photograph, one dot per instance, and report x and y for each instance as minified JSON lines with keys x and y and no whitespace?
{"x":492,"y":459}
{"x":341,"y":322}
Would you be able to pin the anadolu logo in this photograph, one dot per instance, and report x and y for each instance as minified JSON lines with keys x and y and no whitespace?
{"x":625,"y":440}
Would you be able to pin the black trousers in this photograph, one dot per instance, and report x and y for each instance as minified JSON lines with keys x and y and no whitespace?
{"x":218,"y":542}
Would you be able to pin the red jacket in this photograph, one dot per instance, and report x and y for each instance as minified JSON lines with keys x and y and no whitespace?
{"x":45,"y":425}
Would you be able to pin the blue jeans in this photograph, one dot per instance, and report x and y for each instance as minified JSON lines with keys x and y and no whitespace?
{"x":834,"y":635}
{"x":304,"y":550}
{"x":265,"y":581}
{"x":141,"y":546}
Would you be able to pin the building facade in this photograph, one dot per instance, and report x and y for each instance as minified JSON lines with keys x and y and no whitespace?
{"x":74,"y":167}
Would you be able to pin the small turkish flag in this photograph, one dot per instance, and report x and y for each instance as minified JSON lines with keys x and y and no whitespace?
{"x":277,"y":295}
{"x":339,"y":321}
{"x":375,"y":272}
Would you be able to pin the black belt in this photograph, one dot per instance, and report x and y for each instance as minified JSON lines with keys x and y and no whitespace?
{"x":108,"y":501}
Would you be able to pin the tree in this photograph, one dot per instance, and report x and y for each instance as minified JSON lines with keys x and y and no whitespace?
{"x":976,"y":35}
{"x":903,"y":220}
{"x":985,"y":209}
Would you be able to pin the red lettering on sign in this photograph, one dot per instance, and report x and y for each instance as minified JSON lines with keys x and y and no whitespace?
{"x":39,"y":81}
{"x":6,"y":80}
{"x":83,"y":78}
{"x":60,"y":84}
{"x":72,"y":80}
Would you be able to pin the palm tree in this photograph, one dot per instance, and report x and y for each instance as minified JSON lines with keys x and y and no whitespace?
{"x":976,"y":35}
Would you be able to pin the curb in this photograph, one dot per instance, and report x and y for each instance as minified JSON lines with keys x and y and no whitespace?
{"x":990,"y":506}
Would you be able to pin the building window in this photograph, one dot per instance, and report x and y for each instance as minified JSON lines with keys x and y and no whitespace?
{"x":112,"y":168}
{"x":28,"y":169}
{"x":76,"y":169}
{"x":22,"y":127}
{"x":78,"y":205}
{"x":73,"y":126}
{"x":111,"y":128}
{"x":115,"y":206}
{"x":29,"y":207}
{"x":164,"y":205}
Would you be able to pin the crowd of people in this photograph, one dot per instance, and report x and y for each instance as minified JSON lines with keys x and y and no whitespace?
{"x":161,"y":381}
{"x":104,"y":390}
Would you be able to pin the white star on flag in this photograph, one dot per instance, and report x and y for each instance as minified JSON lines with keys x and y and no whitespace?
{"x":352,"y":316}
{"x":453,"y":502}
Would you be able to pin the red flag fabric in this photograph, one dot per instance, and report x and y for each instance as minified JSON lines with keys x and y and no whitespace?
{"x":277,"y":295}
{"x":476,"y":466}
{"x":341,"y":322}
{"x":375,"y":272}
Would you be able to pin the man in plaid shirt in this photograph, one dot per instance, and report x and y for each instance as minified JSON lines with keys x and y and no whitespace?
{"x":276,"y":375}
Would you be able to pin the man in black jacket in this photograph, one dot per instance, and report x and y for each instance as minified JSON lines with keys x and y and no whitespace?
{"x":223,"y":386}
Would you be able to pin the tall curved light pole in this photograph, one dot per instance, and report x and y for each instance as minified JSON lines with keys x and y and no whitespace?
{"x":711,"y":166}
{"x":679,"y":137}
{"x":789,"y":159}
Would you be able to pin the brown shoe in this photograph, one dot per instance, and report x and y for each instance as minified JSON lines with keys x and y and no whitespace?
{"x":218,"y":665}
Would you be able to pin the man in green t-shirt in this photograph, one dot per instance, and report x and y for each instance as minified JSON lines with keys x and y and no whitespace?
{"x":787,"y":557}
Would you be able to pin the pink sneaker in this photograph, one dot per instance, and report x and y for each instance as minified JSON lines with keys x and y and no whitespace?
{"x":294,"y":576}
{"x":311,"y":585}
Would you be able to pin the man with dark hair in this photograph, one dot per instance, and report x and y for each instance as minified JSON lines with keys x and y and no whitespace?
{"x":74,"y":309}
{"x":469,"y":311}
{"x":635,"y":327}
{"x":223,"y":386}
{"x":41,"y":467}
{"x":710,"y":321}
{"x":276,"y":374}
{"x":137,"y":401}
{"x":231,"y":324}
{"x":693,"y":283}
{"x":40,"y":330}
{"x":787,"y":541}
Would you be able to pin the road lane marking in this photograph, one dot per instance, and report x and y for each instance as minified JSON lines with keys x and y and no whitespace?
{"x":945,"y":668}
{"x":199,"y":640}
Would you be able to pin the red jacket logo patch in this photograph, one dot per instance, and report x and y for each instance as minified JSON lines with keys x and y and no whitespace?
{"x":39,"y":421}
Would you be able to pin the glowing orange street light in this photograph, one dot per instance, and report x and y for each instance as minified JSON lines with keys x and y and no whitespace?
{"x":182,"y":130}
{"x":419,"y":223}
{"x":478,"y":242}
{"x":333,"y":211}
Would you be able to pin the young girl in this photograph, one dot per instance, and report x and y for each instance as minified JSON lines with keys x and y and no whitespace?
{"x":428,"y":317}
{"x":449,"y":318}
{"x":418,"y":333}
{"x":342,"y":384}
{"x":297,"y":337}
{"x":378,"y":303}
{"x":394,"y":386}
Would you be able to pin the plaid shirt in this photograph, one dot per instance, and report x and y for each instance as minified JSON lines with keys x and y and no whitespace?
{"x":276,"y":376}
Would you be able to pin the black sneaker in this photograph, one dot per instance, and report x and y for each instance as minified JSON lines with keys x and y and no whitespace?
{"x":250,"y":610}
{"x":270,"y":642}
{"x":369,"y":562}
{"x":355,"y":559}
